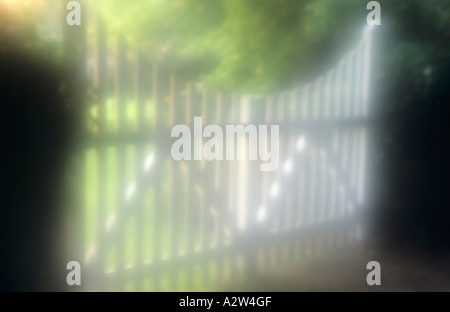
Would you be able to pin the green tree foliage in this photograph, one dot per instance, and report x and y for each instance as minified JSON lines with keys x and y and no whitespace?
{"x":248,"y":46}
{"x":254,"y":45}
{"x":267,"y":45}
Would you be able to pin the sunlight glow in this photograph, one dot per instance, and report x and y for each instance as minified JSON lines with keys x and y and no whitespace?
{"x":130,"y":191}
{"x":261,"y":214}
{"x":301,"y":142}
{"x":274,"y":190}
{"x":149,"y":161}
{"x":111,"y":221}
{"x":288,"y":167}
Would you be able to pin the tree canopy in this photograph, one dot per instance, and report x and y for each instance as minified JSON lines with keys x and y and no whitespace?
{"x":253,"y":46}
{"x":268,"y":45}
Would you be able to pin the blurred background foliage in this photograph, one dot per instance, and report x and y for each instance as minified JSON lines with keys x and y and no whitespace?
{"x":240,"y":46}
{"x":268,"y":45}
{"x":251,"y":46}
